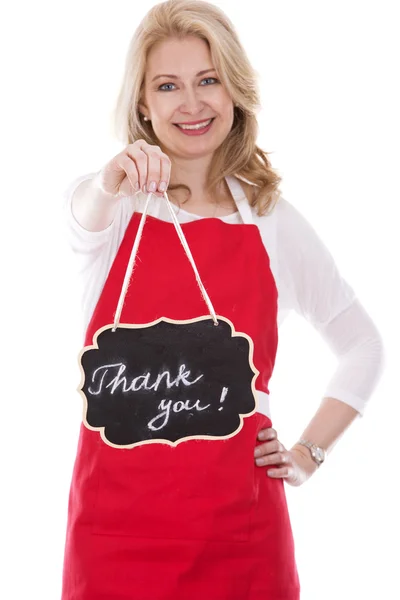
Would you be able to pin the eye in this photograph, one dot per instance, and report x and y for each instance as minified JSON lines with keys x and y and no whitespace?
{"x":210,"y":79}
{"x":163,"y":86}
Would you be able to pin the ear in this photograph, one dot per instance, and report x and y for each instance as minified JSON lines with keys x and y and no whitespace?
{"x":143,"y":109}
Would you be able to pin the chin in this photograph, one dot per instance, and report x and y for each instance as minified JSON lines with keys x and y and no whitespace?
{"x":199,"y":152}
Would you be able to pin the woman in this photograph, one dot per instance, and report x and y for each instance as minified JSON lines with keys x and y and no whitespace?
{"x":202,"y":517}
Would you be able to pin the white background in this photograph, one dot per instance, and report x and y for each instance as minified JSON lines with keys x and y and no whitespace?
{"x":330,"y":118}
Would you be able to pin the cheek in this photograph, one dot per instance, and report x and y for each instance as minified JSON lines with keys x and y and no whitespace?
{"x":224,"y":106}
{"x":159,"y":106}
{"x":225,"y":110}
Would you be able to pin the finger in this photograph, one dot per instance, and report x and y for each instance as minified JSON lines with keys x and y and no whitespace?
{"x":279,"y":458}
{"x":267,"y":434}
{"x":140,"y":159}
{"x":130,"y":184}
{"x":165,"y":173}
{"x":153,"y":168}
{"x":269,"y":448}
{"x":281,"y":473}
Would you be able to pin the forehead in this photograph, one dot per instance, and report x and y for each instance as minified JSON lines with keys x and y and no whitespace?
{"x":182,"y":57}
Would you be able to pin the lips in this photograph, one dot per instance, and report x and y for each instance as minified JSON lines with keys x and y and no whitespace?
{"x":195,"y":125}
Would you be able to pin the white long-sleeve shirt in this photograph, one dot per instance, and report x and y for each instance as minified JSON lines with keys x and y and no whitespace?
{"x":306,"y":276}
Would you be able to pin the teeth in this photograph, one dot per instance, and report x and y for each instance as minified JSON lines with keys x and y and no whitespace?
{"x":198,"y":126}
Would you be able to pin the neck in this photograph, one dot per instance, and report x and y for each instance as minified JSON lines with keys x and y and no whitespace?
{"x":193,"y":173}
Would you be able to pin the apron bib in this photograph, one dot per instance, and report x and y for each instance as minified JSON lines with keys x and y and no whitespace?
{"x":178,"y":510}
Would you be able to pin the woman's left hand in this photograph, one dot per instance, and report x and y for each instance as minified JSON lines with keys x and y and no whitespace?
{"x":295,"y":466}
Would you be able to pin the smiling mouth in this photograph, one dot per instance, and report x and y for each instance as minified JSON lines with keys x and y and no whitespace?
{"x":196,"y":127}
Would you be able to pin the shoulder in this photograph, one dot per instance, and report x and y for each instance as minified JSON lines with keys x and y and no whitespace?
{"x":283,"y":216}
{"x":289,"y":225}
{"x":283,"y":211}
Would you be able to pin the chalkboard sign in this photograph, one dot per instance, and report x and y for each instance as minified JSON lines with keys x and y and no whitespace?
{"x":168,"y":381}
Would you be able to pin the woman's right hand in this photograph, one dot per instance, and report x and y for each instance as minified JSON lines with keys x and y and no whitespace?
{"x":139,"y":166}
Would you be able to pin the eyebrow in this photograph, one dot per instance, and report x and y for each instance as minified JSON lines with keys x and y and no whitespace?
{"x":176,"y":77}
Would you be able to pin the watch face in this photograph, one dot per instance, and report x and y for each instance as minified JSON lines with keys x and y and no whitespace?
{"x":319,"y":454}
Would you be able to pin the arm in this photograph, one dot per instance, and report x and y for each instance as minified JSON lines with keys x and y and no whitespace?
{"x":93,"y":251}
{"x":327,"y":426}
{"x":354,"y":339}
{"x":358,"y":346}
{"x":321,"y":295}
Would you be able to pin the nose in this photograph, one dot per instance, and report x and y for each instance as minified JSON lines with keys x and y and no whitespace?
{"x":192,"y":103}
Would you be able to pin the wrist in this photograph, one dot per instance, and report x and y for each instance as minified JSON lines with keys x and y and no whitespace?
{"x":317,"y":453}
{"x":97,"y":191}
{"x":305,"y":458}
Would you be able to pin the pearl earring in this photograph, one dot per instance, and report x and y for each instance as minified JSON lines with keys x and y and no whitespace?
{"x":146,"y":118}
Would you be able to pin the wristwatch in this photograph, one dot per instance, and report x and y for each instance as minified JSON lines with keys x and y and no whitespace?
{"x":318,"y":454}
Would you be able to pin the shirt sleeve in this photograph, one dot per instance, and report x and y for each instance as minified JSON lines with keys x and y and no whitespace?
{"x":317,"y":291}
{"x":84,"y":243}
{"x":94,"y":251}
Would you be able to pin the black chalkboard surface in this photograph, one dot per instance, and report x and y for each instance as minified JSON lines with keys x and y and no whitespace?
{"x":167,"y":381}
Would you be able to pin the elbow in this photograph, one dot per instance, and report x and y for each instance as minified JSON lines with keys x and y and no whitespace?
{"x":380,"y":354}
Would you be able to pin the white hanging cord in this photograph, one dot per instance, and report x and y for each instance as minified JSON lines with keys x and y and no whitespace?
{"x":132,"y":259}
{"x":130,"y":266}
{"x":191,"y":260}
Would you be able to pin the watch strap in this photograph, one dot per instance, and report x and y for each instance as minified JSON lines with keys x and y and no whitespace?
{"x":314,"y":449}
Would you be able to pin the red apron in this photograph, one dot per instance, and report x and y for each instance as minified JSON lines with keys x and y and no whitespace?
{"x":200,"y":520}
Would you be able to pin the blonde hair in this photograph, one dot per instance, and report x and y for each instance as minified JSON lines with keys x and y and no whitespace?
{"x":238,"y":155}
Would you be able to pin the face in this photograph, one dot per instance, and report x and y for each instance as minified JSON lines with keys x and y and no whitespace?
{"x":182,"y":87}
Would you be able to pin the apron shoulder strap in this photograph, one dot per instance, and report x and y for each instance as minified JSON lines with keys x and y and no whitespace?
{"x":240,"y":198}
